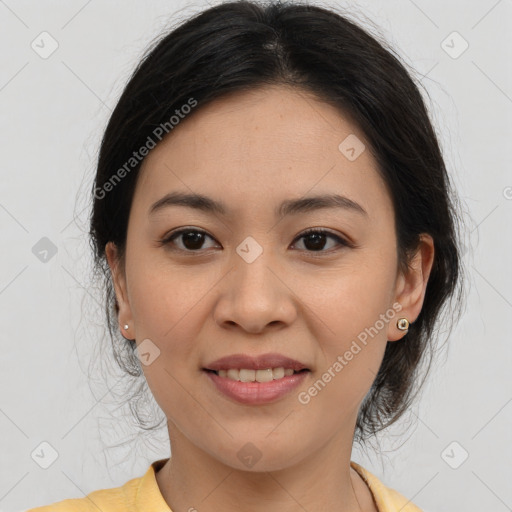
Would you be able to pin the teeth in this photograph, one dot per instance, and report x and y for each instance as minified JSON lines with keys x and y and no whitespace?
{"x":245,"y":375}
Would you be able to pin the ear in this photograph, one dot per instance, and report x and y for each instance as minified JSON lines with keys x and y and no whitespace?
{"x":124,"y":313}
{"x":411,"y":285}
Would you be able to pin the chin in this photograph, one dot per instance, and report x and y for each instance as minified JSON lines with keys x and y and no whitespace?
{"x":261,"y":456}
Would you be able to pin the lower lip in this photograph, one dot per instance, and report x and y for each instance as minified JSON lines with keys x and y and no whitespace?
{"x":255,"y":393}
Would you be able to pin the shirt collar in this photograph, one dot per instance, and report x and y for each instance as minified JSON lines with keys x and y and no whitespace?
{"x":148,"y":497}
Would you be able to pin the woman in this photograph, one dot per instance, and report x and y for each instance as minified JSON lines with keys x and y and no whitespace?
{"x":273,"y":216}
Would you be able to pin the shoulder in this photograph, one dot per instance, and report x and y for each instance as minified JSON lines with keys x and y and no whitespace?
{"x":116,"y":499}
{"x":138,"y":494}
{"x":386,"y":498}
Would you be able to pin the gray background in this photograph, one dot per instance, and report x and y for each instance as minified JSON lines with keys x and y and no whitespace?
{"x":53,"y":111}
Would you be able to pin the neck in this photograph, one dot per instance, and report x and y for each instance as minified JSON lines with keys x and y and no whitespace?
{"x":193,"y":479}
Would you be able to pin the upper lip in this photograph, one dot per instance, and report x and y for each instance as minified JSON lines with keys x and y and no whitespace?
{"x":261,"y":362}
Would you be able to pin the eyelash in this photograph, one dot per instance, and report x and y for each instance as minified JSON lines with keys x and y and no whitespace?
{"x":176,"y":234}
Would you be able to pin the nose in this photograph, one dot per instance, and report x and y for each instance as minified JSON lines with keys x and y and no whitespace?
{"x":255,"y":297}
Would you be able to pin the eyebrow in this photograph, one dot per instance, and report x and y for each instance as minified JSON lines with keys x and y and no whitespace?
{"x":290,"y":206}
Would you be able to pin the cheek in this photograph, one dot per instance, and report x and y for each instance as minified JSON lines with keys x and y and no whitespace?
{"x":166,"y":307}
{"x":163,"y":298}
{"x":352,"y":299}
{"x":355,"y":307}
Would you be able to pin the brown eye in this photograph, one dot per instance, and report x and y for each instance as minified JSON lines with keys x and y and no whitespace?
{"x":315,"y":240}
{"x":191,"y":239}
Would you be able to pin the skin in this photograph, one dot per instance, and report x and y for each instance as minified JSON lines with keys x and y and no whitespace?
{"x":251,"y":151}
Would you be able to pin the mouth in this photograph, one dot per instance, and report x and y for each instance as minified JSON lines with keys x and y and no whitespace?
{"x":256,"y":387}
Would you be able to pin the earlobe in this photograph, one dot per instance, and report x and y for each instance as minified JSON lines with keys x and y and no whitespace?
{"x":411,"y":287}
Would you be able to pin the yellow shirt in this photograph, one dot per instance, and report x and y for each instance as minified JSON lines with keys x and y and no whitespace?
{"x":143,"y":495}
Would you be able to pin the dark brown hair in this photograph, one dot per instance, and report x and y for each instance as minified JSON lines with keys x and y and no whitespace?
{"x":243,"y":45}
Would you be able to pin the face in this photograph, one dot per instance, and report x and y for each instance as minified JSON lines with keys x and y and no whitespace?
{"x":244,"y":279}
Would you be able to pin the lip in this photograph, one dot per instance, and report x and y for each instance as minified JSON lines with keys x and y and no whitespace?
{"x":261,"y":362}
{"x":256,"y":393}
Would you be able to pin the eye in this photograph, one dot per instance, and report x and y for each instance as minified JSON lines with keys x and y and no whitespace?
{"x":192,"y":240}
{"x":315,"y":239}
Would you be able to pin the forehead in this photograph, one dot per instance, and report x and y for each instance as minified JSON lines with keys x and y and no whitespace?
{"x":264,"y":143}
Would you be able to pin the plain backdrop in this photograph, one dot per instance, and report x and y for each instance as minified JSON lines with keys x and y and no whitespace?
{"x":452,"y":451}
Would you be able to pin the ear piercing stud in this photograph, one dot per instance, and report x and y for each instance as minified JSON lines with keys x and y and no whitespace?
{"x":403,"y":324}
